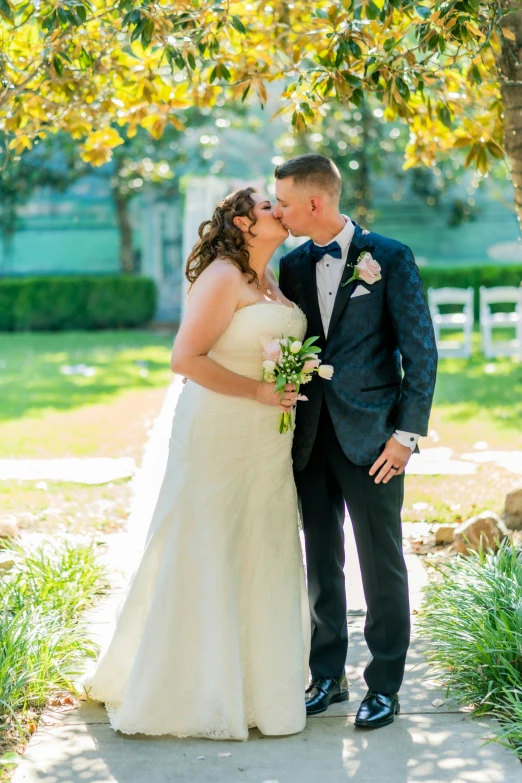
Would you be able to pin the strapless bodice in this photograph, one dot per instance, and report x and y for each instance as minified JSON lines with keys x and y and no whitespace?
{"x":240,"y":349}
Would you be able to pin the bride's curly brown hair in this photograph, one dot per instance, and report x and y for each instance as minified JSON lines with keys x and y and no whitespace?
{"x":220,"y":238}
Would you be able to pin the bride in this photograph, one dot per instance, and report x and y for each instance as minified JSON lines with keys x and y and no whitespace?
{"x":213,"y":635}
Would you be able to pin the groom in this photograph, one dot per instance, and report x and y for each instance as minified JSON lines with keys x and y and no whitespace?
{"x":357,"y":432}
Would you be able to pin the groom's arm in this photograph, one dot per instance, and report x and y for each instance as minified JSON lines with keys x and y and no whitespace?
{"x":413,"y":327}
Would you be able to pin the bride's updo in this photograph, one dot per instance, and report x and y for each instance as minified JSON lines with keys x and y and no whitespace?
{"x":220,"y":238}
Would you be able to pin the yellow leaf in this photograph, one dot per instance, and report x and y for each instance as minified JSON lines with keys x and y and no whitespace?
{"x":176,"y":123}
{"x":462,"y":141}
{"x":20,"y":143}
{"x":508,"y":33}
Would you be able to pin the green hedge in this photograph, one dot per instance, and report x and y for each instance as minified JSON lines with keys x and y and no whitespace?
{"x":464,"y":276}
{"x":60,"y":303}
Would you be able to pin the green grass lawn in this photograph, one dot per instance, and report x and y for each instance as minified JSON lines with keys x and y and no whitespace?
{"x":44,"y":413}
{"x":475,"y":400}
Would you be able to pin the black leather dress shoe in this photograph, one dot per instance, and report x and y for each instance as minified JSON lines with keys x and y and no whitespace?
{"x":324,"y":691}
{"x":377,"y":709}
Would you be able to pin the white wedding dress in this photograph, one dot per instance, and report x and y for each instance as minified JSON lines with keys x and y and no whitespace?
{"x":213,"y":635}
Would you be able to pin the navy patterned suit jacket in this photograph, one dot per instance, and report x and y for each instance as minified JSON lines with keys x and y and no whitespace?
{"x":381,"y":345}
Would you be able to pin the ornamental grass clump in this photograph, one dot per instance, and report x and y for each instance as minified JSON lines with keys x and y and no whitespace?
{"x":472,"y":619}
{"x":42,"y":641}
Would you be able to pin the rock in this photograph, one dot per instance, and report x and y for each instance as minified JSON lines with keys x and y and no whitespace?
{"x":486,"y":531}
{"x":513,"y":510}
{"x":8,"y":527}
{"x":7,"y":561}
{"x":444,"y":534}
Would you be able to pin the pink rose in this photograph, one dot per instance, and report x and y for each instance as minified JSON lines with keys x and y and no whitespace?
{"x":272,"y":351}
{"x":326,"y":371}
{"x":368,"y":269}
{"x":310,"y":365}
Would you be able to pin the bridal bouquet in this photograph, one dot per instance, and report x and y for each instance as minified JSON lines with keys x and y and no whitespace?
{"x":288,"y":360}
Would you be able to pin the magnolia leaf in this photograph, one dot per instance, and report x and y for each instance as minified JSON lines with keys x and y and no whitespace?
{"x":238,"y":25}
{"x":462,"y":141}
{"x":508,"y":33}
{"x":6,"y":11}
{"x":176,"y":123}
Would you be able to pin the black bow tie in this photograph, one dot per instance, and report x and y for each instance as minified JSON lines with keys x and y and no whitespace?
{"x":318,"y":252}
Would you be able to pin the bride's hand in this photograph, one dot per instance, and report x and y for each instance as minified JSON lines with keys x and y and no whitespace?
{"x":266,"y":394}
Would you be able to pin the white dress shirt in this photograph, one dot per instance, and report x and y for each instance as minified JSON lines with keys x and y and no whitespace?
{"x":328,"y":273}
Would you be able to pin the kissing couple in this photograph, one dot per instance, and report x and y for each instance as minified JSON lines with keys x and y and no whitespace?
{"x":219,"y":631}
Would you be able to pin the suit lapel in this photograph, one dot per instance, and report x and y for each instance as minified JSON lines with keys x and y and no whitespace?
{"x":307,"y":268}
{"x":344,"y":294}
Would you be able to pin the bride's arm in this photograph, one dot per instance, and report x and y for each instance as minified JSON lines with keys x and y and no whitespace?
{"x":211,"y":306}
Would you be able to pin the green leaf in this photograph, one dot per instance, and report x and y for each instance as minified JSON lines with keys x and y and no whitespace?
{"x":357,"y":97}
{"x":352,"y":79}
{"x":238,"y":25}
{"x":6,"y":11}
{"x":355,"y":48}
{"x":403,"y":88}
{"x":58,"y":65}
{"x":444,"y":115}
{"x":495,"y":150}
{"x":137,"y":30}
{"x":147,"y":33}
{"x":191,"y":61}
{"x":213,"y":74}
{"x":389,"y":44}
{"x":373,"y":11}
{"x":85,"y":60}
{"x":472,"y":155}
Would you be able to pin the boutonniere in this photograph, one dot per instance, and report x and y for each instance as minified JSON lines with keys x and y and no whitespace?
{"x":366,"y":269}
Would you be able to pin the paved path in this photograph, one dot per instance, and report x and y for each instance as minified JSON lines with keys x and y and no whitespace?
{"x":426,"y":744}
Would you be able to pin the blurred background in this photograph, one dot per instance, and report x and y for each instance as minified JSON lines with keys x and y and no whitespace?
{"x":92,"y":288}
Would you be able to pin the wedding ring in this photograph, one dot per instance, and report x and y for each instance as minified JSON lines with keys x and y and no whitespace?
{"x":394,"y":468}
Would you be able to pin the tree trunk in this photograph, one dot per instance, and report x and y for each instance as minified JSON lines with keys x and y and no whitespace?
{"x":510,"y":67}
{"x":127,"y":256}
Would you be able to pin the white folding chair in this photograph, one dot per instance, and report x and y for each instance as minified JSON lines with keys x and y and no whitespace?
{"x":462,"y":320}
{"x":490,"y":320}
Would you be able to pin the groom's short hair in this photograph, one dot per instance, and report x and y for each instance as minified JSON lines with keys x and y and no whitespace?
{"x":312,"y":170}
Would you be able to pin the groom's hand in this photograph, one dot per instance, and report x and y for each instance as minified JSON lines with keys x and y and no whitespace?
{"x":392,"y":461}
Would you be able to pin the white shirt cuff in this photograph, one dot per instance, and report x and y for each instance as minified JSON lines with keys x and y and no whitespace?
{"x":406,"y":438}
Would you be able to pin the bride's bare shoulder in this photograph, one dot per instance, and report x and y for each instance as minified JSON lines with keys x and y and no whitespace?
{"x":220,"y":272}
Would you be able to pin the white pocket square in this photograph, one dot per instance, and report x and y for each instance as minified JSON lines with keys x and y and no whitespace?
{"x":360,"y":291}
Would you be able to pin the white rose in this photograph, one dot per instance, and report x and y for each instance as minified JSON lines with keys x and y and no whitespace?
{"x":326,"y":371}
{"x":296,"y":346}
{"x":269,"y":365}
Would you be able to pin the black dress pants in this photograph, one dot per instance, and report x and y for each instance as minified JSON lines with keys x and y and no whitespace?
{"x":328,"y":481}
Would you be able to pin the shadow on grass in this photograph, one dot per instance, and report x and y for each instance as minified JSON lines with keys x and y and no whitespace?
{"x":31,"y":380}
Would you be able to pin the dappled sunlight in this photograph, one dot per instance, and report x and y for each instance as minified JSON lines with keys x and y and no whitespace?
{"x":34,"y":364}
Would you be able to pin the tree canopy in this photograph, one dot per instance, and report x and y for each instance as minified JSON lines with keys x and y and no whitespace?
{"x":91,"y":67}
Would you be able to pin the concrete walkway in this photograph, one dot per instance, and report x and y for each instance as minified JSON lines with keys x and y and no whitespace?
{"x":431,"y":741}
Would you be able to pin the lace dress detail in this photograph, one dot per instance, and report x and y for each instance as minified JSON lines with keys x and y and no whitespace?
{"x":212,"y":635}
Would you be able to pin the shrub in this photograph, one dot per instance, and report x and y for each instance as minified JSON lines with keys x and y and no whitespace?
{"x":44,"y":642}
{"x":472,"y":618}
{"x":61,"y":303}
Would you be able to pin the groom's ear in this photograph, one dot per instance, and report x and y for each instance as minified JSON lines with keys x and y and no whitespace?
{"x":316,"y":204}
